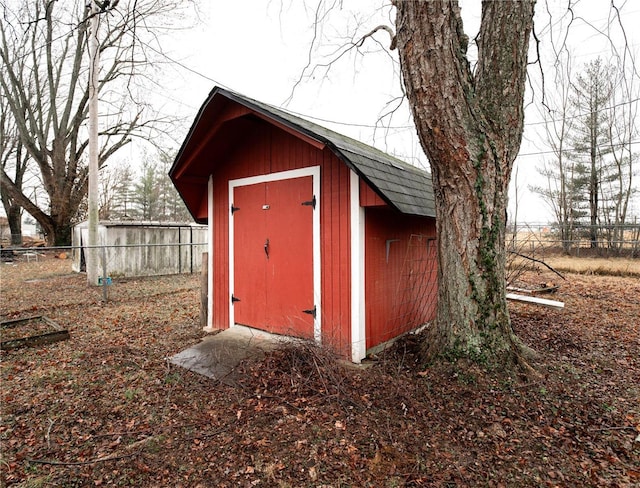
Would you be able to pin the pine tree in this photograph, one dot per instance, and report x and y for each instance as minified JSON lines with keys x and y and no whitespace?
{"x":593,"y":91}
{"x":123,"y":207}
{"x":145,"y":195}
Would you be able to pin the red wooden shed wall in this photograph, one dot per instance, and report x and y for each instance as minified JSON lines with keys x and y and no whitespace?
{"x":401,"y":291}
{"x":273,"y":150}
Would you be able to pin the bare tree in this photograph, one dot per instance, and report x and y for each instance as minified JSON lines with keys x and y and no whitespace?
{"x":591,"y":131}
{"x":623,"y":134}
{"x":466,"y":98}
{"x":50,"y":113}
{"x":558,"y":191}
{"x":470,"y":123}
{"x":13,"y":160}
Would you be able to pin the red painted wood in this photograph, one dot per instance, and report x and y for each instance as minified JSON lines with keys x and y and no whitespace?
{"x":289,"y":286}
{"x":250,"y":233}
{"x":237,"y":144}
{"x":264,"y":149}
{"x":401,"y":291}
{"x":273,"y":256}
{"x":369,"y":198}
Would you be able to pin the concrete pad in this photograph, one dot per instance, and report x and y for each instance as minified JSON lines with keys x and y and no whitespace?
{"x":217,"y":356}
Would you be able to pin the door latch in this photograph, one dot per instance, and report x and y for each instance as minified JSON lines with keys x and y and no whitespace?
{"x":266,"y":248}
{"x":310,"y":203}
{"x":311,"y":311}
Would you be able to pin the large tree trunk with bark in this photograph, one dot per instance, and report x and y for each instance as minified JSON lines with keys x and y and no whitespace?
{"x":14,"y":218}
{"x":470,"y":125}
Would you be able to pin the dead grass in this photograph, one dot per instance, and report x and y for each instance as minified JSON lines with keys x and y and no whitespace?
{"x":581,"y":265}
{"x":596,"y":266}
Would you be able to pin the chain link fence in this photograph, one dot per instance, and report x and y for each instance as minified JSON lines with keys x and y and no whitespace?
{"x":117,"y":263}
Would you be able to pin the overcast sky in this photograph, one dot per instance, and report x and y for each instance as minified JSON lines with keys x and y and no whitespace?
{"x":260,"y":48}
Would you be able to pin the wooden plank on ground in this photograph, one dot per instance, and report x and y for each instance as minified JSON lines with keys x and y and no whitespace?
{"x":47,"y":336}
{"x":38,"y":340}
{"x":536,"y":301}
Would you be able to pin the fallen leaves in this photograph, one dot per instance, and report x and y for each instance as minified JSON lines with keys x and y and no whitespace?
{"x":108,"y":408}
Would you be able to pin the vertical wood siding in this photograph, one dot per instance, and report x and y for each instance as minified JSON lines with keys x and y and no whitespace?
{"x":401,"y":287}
{"x":261,"y":149}
{"x":368,"y":197}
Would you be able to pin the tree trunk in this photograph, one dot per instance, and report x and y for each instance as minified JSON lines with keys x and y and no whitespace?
{"x":57,"y":226}
{"x":593,"y":203}
{"x":14,"y":216}
{"x":470,"y":126}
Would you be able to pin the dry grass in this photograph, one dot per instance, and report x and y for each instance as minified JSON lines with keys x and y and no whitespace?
{"x":582,"y":265}
{"x":596,"y":266}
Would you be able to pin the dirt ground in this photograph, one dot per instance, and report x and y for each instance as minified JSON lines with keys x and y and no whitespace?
{"x":104,"y":408}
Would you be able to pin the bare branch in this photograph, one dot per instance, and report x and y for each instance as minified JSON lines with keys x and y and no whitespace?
{"x":45,"y":82}
{"x":354,"y":44}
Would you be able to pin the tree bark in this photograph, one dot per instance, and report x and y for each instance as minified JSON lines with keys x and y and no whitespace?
{"x":470,"y":126}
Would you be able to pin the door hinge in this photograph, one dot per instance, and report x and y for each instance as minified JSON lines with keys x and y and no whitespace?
{"x":234,"y":209}
{"x":311,"y":311}
{"x":311,"y":203}
{"x":234,"y":299}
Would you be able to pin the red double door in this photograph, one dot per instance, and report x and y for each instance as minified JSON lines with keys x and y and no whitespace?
{"x":273,"y":256}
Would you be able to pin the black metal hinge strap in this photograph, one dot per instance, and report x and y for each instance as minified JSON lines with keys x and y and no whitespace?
{"x":234,"y":209}
{"x":311,"y":203}
{"x":311,"y":311}
{"x":234,"y":299}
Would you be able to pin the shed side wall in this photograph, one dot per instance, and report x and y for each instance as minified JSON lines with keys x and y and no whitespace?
{"x":400,"y":273}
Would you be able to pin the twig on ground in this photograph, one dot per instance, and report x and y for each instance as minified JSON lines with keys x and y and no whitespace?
{"x":48,"y":434}
{"x":145,"y":431}
{"x":538,"y":261}
{"x":80,"y":463}
{"x":622,"y":427}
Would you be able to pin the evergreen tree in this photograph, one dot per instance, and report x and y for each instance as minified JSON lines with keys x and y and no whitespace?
{"x":145,"y":196}
{"x":171,"y":208}
{"x":593,"y":92}
{"x":123,"y":200}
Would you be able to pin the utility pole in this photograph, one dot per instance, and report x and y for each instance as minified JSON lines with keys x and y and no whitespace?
{"x":94,"y":56}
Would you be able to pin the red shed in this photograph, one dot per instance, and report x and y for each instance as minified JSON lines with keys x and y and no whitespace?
{"x":311,"y":233}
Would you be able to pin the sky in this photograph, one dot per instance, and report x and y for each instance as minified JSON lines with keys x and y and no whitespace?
{"x":261,"y":48}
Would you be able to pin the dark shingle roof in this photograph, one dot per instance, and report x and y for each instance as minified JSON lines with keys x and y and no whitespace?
{"x":404,"y":187}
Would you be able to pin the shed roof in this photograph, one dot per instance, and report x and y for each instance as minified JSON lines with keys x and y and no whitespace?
{"x":401,"y":185}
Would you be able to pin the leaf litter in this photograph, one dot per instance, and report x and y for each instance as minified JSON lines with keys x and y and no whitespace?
{"x":105,"y":408}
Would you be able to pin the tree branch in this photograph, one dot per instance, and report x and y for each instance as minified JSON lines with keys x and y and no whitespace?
{"x":538,"y":261}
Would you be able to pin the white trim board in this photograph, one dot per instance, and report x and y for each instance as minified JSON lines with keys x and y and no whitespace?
{"x":358,"y":326}
{"x":314,"y":172}
{"x":210,"y":230}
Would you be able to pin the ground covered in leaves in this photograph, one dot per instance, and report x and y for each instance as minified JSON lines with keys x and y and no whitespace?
{"x":104,"y":408}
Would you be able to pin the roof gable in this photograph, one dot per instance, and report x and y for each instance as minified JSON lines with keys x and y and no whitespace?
{"x":402,"y":186}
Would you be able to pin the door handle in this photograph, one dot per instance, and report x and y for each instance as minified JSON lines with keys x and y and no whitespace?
{"x":266,"y":248}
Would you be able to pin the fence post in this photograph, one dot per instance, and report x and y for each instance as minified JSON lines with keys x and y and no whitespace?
{"x":105,"y":293}
{"x":204,"y":282}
